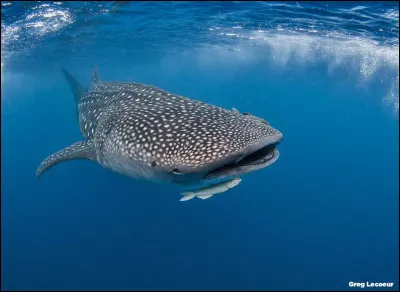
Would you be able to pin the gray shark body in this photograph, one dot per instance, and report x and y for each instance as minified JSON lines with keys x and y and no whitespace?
{"x":148,"y":133}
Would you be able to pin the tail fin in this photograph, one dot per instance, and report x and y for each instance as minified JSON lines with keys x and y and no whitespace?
{"x":77,"y":89}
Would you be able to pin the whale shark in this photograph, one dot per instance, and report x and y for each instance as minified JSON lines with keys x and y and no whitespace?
{"x":148,"y":133}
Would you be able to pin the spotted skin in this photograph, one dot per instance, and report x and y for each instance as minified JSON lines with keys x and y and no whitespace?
{"x":147,"y":124}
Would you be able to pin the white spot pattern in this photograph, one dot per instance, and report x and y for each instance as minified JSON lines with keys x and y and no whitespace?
{"x":150,"y":125}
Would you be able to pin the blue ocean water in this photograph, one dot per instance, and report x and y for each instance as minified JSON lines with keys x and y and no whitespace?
{"x":324,"y":215}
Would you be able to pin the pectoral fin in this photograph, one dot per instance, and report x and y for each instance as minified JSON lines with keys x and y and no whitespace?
{"x":78,"y":150}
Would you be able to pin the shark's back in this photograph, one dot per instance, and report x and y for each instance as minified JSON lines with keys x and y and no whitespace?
{"x":166,"y":127}
{"x":126,"y":100}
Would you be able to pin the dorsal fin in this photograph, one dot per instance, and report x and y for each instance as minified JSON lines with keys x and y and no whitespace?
{"x":95,"y":78}
{"x":77,"y":89}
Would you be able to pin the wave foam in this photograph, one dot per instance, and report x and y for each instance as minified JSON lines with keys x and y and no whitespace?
{"x":361,"y":56}
{"x":42,"y":20}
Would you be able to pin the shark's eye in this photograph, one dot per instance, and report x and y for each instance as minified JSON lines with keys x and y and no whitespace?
{"x":246,"y":114}
{"x":154,"y":164}
{"x":176,"y":171}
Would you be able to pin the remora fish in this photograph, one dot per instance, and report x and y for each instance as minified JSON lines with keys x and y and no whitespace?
{"x":148,"y":133}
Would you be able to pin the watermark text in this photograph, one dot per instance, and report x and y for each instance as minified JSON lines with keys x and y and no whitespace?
{"x":371,"y":284}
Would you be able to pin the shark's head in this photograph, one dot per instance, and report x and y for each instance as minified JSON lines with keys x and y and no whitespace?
{"x":253,"y":155}
{"x":203,"y":144}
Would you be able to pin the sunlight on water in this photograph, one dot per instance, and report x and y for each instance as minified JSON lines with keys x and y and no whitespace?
{"x":42,"y":21}
{"x":23,"y":33}
{"x":309,"y":44}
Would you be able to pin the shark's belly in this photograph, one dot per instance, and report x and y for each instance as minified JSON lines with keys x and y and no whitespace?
{"x":131,"y":168}
{"x":119,"y":162}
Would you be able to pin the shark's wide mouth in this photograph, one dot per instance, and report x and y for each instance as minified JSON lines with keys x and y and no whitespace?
{"x":252,"y":161}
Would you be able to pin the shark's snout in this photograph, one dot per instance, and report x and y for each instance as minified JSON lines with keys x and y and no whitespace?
{"x":252,"y":157}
